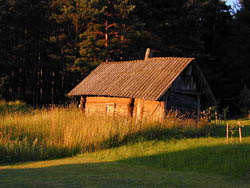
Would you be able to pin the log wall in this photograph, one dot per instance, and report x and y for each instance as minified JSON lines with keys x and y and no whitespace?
{"x":182,"y":102}
{"x":149,"y":110}
{"x":140,"y":109}
{"x":184,"y":93}
{"x":108,"y":106}
{"x":185,"y":81}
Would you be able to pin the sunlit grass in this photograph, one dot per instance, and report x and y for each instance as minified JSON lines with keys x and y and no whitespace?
{"x":60,"y":132}
{"x":172,"y":145}
{"x":212,"y":156}
{"x":205,"y":155}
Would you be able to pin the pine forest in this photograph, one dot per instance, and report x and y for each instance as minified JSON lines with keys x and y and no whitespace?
{"x":49,"y":46}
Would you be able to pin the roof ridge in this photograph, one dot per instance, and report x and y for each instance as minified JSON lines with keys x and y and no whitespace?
{"x":172,"y":57}
{"x":141,"y":60}
{"x":116,"y":62}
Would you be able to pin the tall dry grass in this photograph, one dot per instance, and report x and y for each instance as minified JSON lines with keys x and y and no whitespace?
{"x":60,"y":132}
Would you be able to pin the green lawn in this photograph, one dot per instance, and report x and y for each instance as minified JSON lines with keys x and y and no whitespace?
{"x":199,"y":162}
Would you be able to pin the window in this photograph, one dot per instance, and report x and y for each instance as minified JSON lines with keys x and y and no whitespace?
{"x":110,"y":108}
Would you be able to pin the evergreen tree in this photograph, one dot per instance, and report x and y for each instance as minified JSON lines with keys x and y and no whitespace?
{"x":172,"y":27}
{"x":47,"y":46}
{"x":65,"y":37}
{"x":216,"y":23}
{"x":241,"y":55}
{"x":4,"y":47}
{"x":26,"y":52}
{"x":111,"y":31}
{"x":70,"y":23}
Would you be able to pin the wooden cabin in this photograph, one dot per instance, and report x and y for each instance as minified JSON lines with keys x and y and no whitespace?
{"x":145,"y":88}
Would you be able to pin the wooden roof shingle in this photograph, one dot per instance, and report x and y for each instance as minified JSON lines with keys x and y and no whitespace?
{"x":147,"y":79}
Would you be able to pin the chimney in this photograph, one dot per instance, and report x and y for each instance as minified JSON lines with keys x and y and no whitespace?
{"x":148,"y":54}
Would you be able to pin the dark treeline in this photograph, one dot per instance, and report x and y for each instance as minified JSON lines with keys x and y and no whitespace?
{"x":48,"y":46}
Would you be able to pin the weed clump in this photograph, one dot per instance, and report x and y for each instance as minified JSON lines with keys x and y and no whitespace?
{"x":13,"y":107}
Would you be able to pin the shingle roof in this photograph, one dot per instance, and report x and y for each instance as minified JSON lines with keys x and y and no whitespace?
{"x":147,"y":79}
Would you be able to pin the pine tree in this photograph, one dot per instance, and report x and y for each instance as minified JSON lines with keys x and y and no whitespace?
{"x":172,"y":27}
{"x":4,"y":47}
{"x":26,"y":52}
{"x":241,"y":54}
{"x":111,"y":32}
{"x":216,"y":24}
{"x":70,"y":23}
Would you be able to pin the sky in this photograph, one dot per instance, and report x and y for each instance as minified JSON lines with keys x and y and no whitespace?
{"x":231,"y":2}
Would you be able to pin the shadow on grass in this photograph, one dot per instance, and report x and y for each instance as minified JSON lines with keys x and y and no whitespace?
{"x":80,"y":175}
{"x":197,"y":167}
{"x":155,"y":133}
{"x":231,"y":160}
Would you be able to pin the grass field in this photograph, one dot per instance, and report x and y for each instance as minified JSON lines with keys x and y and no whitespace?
{"x":69,"y":174}
{"x":111,"y":152}
{"x":178,"y":163}
{"x":63,"y":132}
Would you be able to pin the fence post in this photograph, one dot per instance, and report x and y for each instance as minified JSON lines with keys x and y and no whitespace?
{"x":240,"y":133}
{"x":227,"y":131}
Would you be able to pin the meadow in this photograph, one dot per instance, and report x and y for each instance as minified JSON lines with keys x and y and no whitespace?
{"x":171,"y":152}
{"x":62,"y":132}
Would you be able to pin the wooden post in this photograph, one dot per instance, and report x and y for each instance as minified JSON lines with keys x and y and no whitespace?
{"x":240,"y":133}
{"x":81,"y":106}
{"x":216,"y":116}
{"x":131,"y":107}
{"x":198,"y":109}
{"x":165,"y":100}
{"x":227,"y":131}
{"x":162,"y":111}
{"x":139,"y":109}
